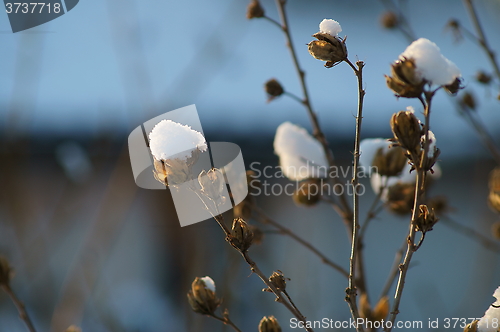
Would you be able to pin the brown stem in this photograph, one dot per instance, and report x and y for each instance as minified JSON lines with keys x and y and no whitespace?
{"x":471,"y":232}
{"x":394,"y":270}
{"x":279,"y":297}
{"x":317,"y":132}
{"x":23,"y":314}
{"x":482,"y":37}
{"x":226,"y":321}
{"x":351,"y":290}
{"x":411,"y":247}
{"x":262,"y":217}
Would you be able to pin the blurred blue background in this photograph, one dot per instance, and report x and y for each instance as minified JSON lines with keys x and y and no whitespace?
{"x":91,"y":249}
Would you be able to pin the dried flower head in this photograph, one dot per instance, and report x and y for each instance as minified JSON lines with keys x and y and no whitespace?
{"x":390,"y":162}
{"x":389,"y":20}
{"x":420,"y":64}
{"x":269,"y":324}
{"x":483,"y":77}
{"x":426,"y":219}
{"x":329,"y":46}
{"x":404,"y":80}
{"x":241,"y":235}
{"x":407,"y":130}
{"x":468,"y":101}
{"x":175,"y":148}
{"x":202,"y":298}
{"x":278,"y":280}
{"x":273,"y":89}
{"x":255,"y":10}
{"x":308,"y":193}
{"x":400,"y":197}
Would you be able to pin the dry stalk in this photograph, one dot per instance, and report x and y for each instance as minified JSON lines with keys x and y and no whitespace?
{"x":23,"y":314}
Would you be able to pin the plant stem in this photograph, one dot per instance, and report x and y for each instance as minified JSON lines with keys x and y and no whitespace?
{"x":255,"y":269}
{"x":482,"y":37}
{"x":23,"y":314}
{"x":419,"y":189}
{"x":279,"y":297}
{"x":351,"y":290}
{"x":226,"y":321}
{"x":394,"y":270}
{"x":317,"y":132}
{"x":262,"y":217}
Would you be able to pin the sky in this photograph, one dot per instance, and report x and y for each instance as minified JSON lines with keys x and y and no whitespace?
{"x":111,"y":65}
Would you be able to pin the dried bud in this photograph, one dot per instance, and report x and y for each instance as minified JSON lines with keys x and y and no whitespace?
{"x":273,"y":89}
{"x":454,"y":26}
{"x":426,"y":219}
{"x":278,"y":280}
{"x":254,"y":10}
{"x":202,"y":296}
{"x":495,"y":230}
{"x":241,"y":235}
{"x":407,"y":130}
{"x":308,"y":193}
{"x":400,"y":197}
{"x":494,"y":185}
{"x":472,"y":327}
{"x":404,"y":80}
{"x":269,"y":324}
{"x":389,"y":20}
{"x":73,"y":328}
{"x":5,"y":271}
{"x":483,"y":77}
{"x":468,"y":101}
{"x":328,"y":48}
{"x":454,"y":87}
{"x":381,"y":310}
{"x":390,"y":163}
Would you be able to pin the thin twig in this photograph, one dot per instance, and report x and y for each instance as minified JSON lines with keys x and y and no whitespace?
{"x":262,"y":217}
{"x":317,"y":132}
{"x":419,"y":189}
{"x":279,"y":298}
{"x":471,"y":232}
{"x":482,"y":37}
{"x":255,"y":269}
{"x":226,"y":321}
{"x":23,"y":314}
{"x":394,"y":270}
{"x":351,"y":290}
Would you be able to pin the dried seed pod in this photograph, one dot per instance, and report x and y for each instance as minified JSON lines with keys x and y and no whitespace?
{"x":494,"y":185}
{"x":278,"y":280}
{"x":255,"y":10}
{"x":400,"y":197}
{"x":407,"y":130}
{"x":273,"y":89}
{"x":426,"y":219}
{"x":483,"y":78}
{"x":328,"y":48}
{"x":389,"y":20}
{"x":73,"y":328}
{"x":241,"y":236}
{"x":472,"y":327}
{"x":365,"y":309}
{"x":269,"y":324}
{"x":454,"y":87}
{"x":390,"y":163}
{"x":468,"y":101}
{"x":405,"y":81}
{"x":202,"y":296}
